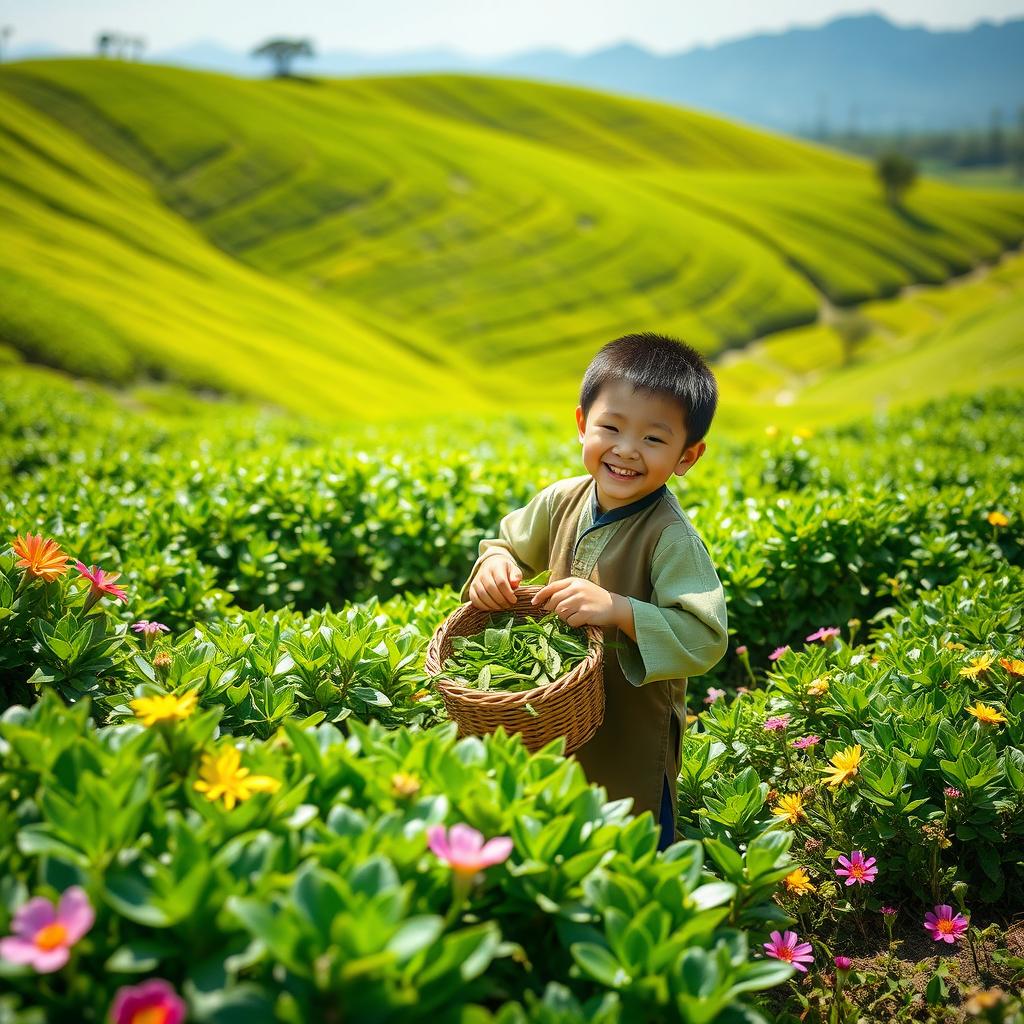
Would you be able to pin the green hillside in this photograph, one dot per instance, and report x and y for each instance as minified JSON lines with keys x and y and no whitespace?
{"x":383,"y":246}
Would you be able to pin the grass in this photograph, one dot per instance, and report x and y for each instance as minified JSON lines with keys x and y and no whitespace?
{"x":377,"y":247}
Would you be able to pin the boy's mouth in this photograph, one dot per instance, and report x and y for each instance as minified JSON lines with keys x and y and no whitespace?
{"x":623,"y":475}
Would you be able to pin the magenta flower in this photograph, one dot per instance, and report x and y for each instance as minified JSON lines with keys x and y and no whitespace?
{"x":741,"y":650}
{"x":154,"y":1000}
{"x":788,"y":947}
{"x":714,"y":694}
{"x":857,"y":869}
{"x":465,"y":850}
{"x":778,"y":653}
{"x":101,"y":583}
{"x":823,"y":634}
{"x":943,"y":925}
{"x":776,"y":723}
{"x":149,"y":628}
{"x":806,"y":741}
{"x":952,"y":792}
{"x":843,"y":963}
{"x":889,"y":911}
{"x":44,"y":933}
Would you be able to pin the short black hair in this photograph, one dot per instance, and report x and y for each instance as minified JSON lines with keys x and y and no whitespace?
{"x":666,"y":366}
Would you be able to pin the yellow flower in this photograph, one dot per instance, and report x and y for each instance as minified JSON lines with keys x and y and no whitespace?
{"x":986,"y":715}
{"x":41,"y":558}
{"x":164,"y":707}
{"x":690,"y":719}
{"x":222,"y":777}
{"x":844,"y":766}
{"x":790,"y":807}
{"x":1013,"y":665}
{"x":797,"y":881}
{"x":818,"y":687}
{"x":977,"y":666}
{"x":804,"y":432}
{"x":404,"y":784}
{"x":997,"y":519}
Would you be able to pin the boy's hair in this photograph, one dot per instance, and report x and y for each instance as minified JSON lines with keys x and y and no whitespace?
{"x":654,"y":362}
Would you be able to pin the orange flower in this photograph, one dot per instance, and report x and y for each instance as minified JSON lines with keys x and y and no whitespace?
{"x":798,"y":881}
{"x":997,"y":519}
{"x":985,"y":714}
{"x":41,"y":558}
{"x":1013,"y":665}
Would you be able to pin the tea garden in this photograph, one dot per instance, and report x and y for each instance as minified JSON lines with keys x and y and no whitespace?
{"x":231,"y":791}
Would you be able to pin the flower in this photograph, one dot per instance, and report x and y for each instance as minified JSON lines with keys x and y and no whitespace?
{"x":843,"y":963}
{"x":889,"y":911}
{"x":952,"y":792}
{"x":818,"y":687}
{"x":40,"y":558}
{"x":823,"y":634}
{"x":844,"y":765}
{"x":465,"y":850}
{"x":149,"y":628}
{"x":986,"y":715}
{"x":222,"y":777}
{"x":944,"y":926}
{"x":806,"y":741}
{"x":741,"y":650}
{"x":776,"y":723}
{"x":164,"y":707}
{"x":1013,"y":665}
{"x":997,"y":519}
{"x":404,"y":784}
{"x":789,"y":948}
{"x":797,"y":881}
{"x":714,"y":694}
{"x":101,"y":583}
{"x":856,"y":869}
{"x":690,"y":719}
{"x":981,"y":999}
{"x":978,"y":665}
{"x":44,"y":933}
{"x":778,"y":653}
{"x":790,"y":807}
{"x":152,"y":1002}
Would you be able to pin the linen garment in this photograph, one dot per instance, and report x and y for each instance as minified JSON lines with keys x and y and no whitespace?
{"x":650,"y":553}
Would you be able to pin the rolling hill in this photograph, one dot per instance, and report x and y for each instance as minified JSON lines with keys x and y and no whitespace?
{"x":379,"y":247}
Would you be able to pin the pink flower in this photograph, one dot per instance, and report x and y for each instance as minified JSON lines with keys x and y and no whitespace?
{"x":465,"y":850}
{"x":952,"y":792}
{"x":149,"y":628}
{"x":714,"y":694}
{"x":743,"y":689}
{"x":44,"y":934}
{"x":153,"y":1001}
{"x":788,"y":947}
{"x":806,"y":741}
{"x":741,"y":650}
{"x":857,"y":869}
{"x":102,"y":583}
{"x":843,"y":963}
{"x":778,"y":653}
{"x":943,"y":925}
{"x":889,"y":911}
{"x":825,"y":633}
{"x":776,"y":723}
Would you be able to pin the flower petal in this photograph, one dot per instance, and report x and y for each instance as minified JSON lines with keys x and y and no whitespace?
{"x":75,"y":913}
{"x":35,"y":914}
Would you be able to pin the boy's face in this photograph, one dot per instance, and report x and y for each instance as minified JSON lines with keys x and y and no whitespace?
{"x":637,"y":431}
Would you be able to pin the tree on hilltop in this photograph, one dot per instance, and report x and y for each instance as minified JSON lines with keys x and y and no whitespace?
{"x":896,"y":173}
{"x":282,"y":52}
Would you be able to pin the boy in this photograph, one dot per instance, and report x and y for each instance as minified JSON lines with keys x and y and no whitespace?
{"x":624,"y":556}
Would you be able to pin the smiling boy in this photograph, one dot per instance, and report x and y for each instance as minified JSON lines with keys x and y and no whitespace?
{"x":624,"y":556}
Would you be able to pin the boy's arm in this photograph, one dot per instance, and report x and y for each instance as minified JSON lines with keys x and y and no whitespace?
{"x":523,"y":537}
{"x":683,"y":631}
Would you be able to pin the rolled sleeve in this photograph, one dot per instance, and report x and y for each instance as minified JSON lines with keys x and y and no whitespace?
{"x":523,"y":536}
{"x":683,"y":631}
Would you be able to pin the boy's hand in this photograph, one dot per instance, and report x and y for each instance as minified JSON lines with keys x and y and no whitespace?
{"x":580,"y":602}
{"x":493,"y":587}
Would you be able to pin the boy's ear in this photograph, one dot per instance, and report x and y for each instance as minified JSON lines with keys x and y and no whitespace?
{"x":581,"y":422}
{"x":689,"y":458}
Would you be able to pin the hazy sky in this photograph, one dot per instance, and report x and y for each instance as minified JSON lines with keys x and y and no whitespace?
{"x":481,"y":27}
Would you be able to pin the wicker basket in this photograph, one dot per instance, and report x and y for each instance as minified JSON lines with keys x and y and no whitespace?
{"x":572,"y":706}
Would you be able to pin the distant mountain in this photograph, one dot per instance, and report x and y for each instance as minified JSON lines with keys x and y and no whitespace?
{"x":857,"y":71}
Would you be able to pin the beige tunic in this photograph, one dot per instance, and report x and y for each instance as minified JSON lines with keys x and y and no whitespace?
{"x":653,"y":556}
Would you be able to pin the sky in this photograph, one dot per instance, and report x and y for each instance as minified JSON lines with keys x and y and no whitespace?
{"x":484,"y":28}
